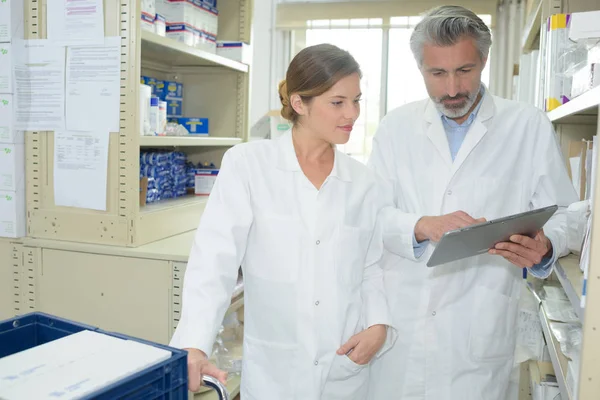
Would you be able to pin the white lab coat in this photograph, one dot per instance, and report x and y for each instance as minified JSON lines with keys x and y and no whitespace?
{"x":305,"y":294}
{"x":456,"y":323}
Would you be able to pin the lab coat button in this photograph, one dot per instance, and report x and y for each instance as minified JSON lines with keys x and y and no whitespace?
{"x":433,"y":313}
{"x":317,"y":303}
{"x":449,"y":192}
{"x":318,"y":242}
{"x":316,"y":363}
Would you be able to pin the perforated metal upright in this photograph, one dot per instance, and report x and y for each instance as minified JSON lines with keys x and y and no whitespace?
{"x":219,"y":89}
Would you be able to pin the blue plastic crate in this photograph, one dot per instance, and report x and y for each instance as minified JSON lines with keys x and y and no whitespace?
{"x":166,"y":380}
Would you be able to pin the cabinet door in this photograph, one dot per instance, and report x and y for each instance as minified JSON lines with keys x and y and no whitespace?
{"x":121,"y":294}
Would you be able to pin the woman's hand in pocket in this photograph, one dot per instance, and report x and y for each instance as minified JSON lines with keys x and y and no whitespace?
{"x":363,"y":346}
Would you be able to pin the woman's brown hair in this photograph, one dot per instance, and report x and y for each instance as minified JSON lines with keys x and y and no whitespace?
{"x":312,"y":72}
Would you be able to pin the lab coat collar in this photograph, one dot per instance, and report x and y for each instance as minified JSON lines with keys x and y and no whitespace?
{"x":434,"y":129}
{"x":289,"y":162}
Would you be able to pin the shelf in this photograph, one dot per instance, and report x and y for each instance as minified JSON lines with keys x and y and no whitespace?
{"x":559,"y":361}
{"x":571,"y":278}
{"x":170,"y":217}
{"x":233,"y":387}
{"x":170,"y":52}
{"x":204,"y":141}
{"x":582,"y":109}
{"x":531,"y":31}
{"x":184,"y":201}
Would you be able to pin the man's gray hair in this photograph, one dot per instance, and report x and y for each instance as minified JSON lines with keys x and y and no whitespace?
{"x":446,"y":25}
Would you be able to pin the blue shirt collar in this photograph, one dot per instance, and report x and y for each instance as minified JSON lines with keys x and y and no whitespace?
{"x":473,"y":115}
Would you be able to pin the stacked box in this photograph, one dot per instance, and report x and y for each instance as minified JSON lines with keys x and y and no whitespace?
{"x":148,"y":15}
{"x":191,"y":22}
{"x":12,"y":151}
{"x":166,"y":173}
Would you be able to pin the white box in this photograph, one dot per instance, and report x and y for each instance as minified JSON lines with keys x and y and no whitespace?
{"x":204,"y":181}
{"x":160,"y":25}
{"x":12,"y":214}
{"x":237,"y":51}
{"x":584,"y":25}
{"x":177,"y":12}
{"x":585,"y":79}
{"x":12,"y":167}
{"x":11,"y":20}
{"x":7,"y":132}
{"x":6,"y":65}
{"x":181,"y":33}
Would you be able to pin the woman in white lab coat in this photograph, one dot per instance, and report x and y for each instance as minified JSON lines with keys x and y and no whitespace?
{"x":299,"y":217}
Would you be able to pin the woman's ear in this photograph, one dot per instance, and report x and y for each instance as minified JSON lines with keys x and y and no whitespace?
{"x":297,"y":104}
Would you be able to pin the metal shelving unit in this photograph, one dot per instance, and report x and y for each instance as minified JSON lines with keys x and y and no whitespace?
{"x":559,"y":361}
{"x":214,"y":87}
{"x":187,"y":141}
{"x":176,"y":54}
{"x":571,"y":278}
{"x":531,"y":32}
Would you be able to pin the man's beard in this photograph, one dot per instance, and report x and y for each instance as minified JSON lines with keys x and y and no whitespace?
{"x":456,"y":110}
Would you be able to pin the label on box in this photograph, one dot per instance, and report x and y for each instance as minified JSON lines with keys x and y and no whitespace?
{"x":5,"y":68}
{"x":12,"y":214}
{"x":6,"y":117}
{"x":195,"y":126}
{"x":160,"y":90}
{"x":181,"y":33}
{"x":173,"y":90}
{"x":146,"y":80}
{"x":174,"y":107}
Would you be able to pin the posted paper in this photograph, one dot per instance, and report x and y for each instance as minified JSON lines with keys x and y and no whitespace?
{"x":80,"y":169}
{"x":39,"y":68}
{"x":6,"y":62}
{"x":93,"y":86}
{"x":75,"y":22}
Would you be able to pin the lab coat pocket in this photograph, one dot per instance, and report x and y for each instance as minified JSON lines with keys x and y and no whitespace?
{"x":493,"y":335}
{"x":346,"y":380}
{"x":273,"y":251}
{"x":352,"y":254}
{"x":269,"y":369}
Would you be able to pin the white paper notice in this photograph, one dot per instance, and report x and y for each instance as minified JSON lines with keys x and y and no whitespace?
{"x":80,"y":169}
{"x":72,"y":22}
{"x":39,"y":68}
{"x":93,"y":87}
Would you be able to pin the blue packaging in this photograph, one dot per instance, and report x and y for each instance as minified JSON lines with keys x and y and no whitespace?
{"x":153,"y":171}
{"x":195,"y":126}
{"x":174,"y":107}
{"x":173,"y":90}
{"x":160,"y":90}
{"x":146,"y":80}
{"x":154,"y":158}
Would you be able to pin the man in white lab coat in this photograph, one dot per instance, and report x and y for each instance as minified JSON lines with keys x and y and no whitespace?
{"x":459,"y":156}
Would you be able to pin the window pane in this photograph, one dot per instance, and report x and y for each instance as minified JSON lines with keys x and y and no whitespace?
{"x":340,"y":22}
{"x":365,"y":47}
{"x":359,"y":22}
{"x":320,"y":22}
{"x":399,"y":21}
{"x":405,"y":83}
{"x":375,"y":22}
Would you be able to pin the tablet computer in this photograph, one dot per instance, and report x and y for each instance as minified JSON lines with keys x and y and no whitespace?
{"x":479,"y":238}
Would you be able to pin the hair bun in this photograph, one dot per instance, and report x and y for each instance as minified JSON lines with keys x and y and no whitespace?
{"x":283,"y":94}
{"x":287,"y":111}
